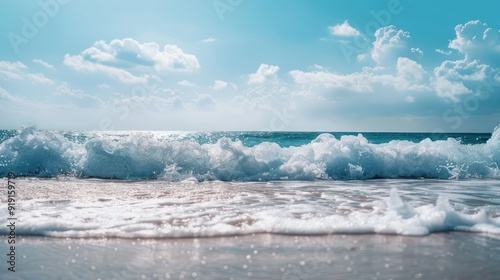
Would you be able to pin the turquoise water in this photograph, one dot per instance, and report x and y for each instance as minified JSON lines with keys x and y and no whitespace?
{"x":284,"y":139}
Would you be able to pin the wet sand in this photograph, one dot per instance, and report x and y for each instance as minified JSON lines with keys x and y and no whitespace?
{"x":438,"y":256}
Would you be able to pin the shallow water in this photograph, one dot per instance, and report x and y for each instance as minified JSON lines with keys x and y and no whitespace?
{"x":70,"y":207}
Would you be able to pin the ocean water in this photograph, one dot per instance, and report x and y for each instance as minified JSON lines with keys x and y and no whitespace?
{"x":199,"y":184}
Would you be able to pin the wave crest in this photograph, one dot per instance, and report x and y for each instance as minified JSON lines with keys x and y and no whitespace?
{"x":146,"y":156}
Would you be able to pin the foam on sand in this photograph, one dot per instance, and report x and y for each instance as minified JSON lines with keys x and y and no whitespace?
{"x":97,"y":208}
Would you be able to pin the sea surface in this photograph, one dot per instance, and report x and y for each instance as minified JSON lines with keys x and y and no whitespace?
{"x":211,"y":184}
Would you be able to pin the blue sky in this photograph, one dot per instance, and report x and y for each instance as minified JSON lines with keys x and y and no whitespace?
{"x":391,"y":65}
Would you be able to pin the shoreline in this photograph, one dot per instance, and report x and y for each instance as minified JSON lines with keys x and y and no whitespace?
{"x":259,"y":256}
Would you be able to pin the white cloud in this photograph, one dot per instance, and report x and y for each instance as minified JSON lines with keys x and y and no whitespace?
{"x":39,"y":79}
{"x":329,"y":80}
{"x":410,"y":99}
{"x":220,"y":85}
{"x":389,"y":44}
{"x":18,"y":71}
{"x":417,"y":50}
{"x":6,"y":96}
{"x":449,"y":89}
{"x":480,"y":47}
{"x":264,"y":96}
{"x":209,"y":40}
{"x":463,"y":70}
{"x":44,"y":64}
{"x":477,"y":41}
{"x":361,"y":57}
{"x":186,"y":83}
{"x":263,"y":74}
{"x":122,"y":59}
{"x":12,"y":66}
{"x":443,"y":52}
{"x":410,"y":70}
{"x":344,"y":29}
{"x":78,"y":96}
{"x":104,"y":86}
{"x":9,"y":75}
{"x":409,"y":77}
{"x":65,"y":90}
{"x":451,"y":77}
{"x":80,"y":64}
{"x":203,"y":101}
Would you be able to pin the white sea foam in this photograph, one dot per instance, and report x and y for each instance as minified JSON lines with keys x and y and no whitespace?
{"x":148,"y":156}
{"x":97,"y":208}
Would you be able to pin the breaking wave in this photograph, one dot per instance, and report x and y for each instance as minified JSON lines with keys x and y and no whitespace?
{"x":146,"y":155}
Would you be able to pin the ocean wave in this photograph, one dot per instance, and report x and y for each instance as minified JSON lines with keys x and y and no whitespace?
{"x":144,"y":155}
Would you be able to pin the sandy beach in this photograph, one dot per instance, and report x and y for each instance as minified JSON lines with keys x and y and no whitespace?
{"x":437,"y":256}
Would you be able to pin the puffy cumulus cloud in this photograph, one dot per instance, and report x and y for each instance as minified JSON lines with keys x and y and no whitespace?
{"x":263,"y":74}
{"x":220,"y":85}
{"x":464,"y":70}
{"x":389,"y":44}
{"x":120,"y":58}
{"x":410,"y":76}
{"x":130,"y":53}
{"x":480,"y":47}
{"x":455,"y":78}
{"x":449,"y":89}
{"x":19,"y":71}
{"x":410,"y":70}
{"x":477,"y":41}
{"x":80,"y":64}
{"x":344,"y":29}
